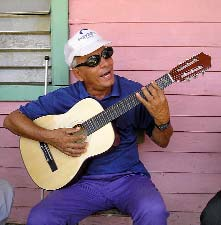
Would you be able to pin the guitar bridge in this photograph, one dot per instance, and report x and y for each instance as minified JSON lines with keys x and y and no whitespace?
{"x":48,"y":156}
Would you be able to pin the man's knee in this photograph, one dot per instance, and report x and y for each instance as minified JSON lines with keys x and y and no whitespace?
{"x":155,"y":213}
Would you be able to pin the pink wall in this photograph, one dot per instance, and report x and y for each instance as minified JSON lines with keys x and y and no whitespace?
{"x":11,"y":168}
{"x":149,"y":39}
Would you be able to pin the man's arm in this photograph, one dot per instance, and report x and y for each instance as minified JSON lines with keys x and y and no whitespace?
{"x":62,"y":139}
{"x":162,"y":138}
{"x":156,"y":103}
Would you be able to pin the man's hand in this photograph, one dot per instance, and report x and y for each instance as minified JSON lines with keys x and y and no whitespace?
{"x":70,"y":141}
{"x":156,"y":103}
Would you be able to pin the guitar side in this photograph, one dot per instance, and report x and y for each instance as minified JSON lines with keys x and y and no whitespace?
{"x":33,"y":157}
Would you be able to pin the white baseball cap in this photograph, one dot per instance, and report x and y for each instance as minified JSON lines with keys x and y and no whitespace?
{"x":82,"y":43}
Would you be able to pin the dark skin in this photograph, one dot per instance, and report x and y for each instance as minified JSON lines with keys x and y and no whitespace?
{"x":98,"y":81}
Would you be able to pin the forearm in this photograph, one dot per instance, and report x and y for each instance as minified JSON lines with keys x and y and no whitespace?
{"x":162,"y":138}
{"x":21,"y":125}
{"x":62,"y":138}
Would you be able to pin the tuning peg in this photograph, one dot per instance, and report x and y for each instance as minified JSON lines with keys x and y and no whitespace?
{"x":195,"y":76}
{"x":188,"y":79}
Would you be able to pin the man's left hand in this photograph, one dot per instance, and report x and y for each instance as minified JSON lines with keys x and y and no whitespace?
{"x":155,"y":102}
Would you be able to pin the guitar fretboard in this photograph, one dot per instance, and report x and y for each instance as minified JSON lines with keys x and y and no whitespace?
{"x":111,"y":113}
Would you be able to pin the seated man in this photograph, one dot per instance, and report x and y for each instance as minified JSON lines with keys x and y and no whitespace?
{"x":6,"y":198}
{"x":211,"y":215}
{"x":116,"y":178}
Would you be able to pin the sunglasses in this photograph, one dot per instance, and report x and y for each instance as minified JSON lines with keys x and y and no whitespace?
{"x":94,"y":60}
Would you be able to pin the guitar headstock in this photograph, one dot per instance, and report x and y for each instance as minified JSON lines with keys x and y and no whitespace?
{"x":191,"y":68}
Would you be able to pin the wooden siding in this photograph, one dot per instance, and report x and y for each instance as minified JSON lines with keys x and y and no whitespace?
{"x":25,"y":7}
{"x":24,"y":41}
{"x":149,"y":38}
{"x":12,"y":169}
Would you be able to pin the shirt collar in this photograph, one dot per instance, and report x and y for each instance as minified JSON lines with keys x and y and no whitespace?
{"x":114,"y":93}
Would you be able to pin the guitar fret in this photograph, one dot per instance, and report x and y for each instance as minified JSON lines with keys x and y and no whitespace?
{"x":164,"y":81}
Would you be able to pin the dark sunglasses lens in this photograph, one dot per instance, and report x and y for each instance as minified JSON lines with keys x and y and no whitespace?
{"x":107,"y":52}
{"x":93,"y":60}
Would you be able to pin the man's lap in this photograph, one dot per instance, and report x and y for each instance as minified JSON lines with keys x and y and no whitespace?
{"x":128,"y":192}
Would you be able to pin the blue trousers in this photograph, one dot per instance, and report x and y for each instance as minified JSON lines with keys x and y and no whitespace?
{"x":134,"y":194}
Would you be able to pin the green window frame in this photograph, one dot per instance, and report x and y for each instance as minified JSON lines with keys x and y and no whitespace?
{"x":60,"y":71}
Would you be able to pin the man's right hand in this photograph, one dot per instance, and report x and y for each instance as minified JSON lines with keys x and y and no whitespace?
{"x":70,"y":141}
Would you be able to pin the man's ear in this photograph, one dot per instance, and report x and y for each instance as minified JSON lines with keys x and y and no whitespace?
{"x":77,"y":73}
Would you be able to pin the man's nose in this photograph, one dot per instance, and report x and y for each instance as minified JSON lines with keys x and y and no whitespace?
{"x":103,"y":62}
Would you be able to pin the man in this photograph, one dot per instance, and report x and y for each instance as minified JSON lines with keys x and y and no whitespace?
{"x":211,"y":213}
{"x":116,"y":178}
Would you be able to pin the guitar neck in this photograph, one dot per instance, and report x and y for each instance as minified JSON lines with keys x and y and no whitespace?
{"x":111,"y":113}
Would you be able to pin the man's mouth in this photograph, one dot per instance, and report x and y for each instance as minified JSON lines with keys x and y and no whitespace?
{"x":106,"y":75}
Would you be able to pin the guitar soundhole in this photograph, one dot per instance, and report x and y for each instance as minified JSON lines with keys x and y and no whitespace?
{"x":79,"y":125}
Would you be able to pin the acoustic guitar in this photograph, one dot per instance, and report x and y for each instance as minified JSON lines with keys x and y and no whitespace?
{"x":51,"y":169}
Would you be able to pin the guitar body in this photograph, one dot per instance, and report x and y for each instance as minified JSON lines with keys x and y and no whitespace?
{"x":34,"y":159}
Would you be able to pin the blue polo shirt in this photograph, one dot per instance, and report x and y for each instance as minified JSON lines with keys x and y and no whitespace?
{"x":121,"y":158}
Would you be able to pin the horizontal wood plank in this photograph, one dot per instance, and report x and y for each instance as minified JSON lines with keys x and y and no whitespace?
{"x":196,"y":140}
{"x":197,"y":124}
{"x":187,"y":183}
{"x":160,"y":58}
{"x":209,"y":84}
{"x":156,"y":34}
{"x":7,"y":107}
{"x":187,"y":142}
{"x":25,"y":41}
{"x":184,"y":218}
{"x":8,"y":139}
{"x":27,"y":197}
{"x":185,"y":124}
{"x":27,"y":24}
{"x":24,"y":92}
{"x":11,"y":158}
{"x":17,"y":177}
{"x":27,"y":6}
{"x":186,"y":202}
{"x":145,"y":11}
{"x":26,"y":75}
{"x":182,"y":162}
{"x":180,"y":142}
{"x":182,"y":105}
{"x":23,"y":58}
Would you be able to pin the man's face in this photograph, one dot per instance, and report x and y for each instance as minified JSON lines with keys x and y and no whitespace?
{"x":96,"y":79}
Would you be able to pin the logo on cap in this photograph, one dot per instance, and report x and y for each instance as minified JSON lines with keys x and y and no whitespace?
{"x":87,"y":35}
